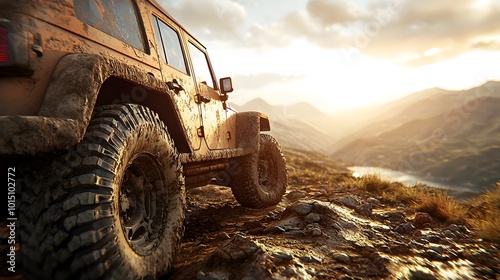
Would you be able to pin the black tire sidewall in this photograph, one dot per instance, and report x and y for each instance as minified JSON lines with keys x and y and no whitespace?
{"x":245,"y":183}
{"x":150,"y":139}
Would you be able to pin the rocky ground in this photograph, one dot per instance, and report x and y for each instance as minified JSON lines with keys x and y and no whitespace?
{"x":325,"y":232}
{"x":322,"y":230}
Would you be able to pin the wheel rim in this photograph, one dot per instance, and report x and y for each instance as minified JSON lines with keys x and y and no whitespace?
{"x":141,"y":203}
{"x":267,"y":171}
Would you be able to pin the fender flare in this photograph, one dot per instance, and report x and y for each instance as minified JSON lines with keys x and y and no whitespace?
{"x":76,"y":82}
{"x":248,"y":128}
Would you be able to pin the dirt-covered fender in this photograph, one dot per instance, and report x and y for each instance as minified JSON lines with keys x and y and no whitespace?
{"x":76,"y":82}
{"x":68,"y":104}
{"x":248,"y":128}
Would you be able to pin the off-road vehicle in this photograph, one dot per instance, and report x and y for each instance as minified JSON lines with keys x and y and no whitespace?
{"x":110,"y":110}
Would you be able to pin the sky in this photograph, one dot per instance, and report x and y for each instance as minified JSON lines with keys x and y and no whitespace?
{"x":340,"y":54}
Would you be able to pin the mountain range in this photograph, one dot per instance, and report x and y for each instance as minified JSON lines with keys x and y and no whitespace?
{"x":451,"y":137}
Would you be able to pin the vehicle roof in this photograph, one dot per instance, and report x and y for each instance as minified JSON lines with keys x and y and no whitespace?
{"x":160,"y":8}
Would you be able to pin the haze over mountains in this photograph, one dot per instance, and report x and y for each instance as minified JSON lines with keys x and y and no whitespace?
{"x":447,"y":136}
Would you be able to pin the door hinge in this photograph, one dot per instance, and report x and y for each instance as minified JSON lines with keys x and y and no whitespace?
{"x":201,"y":131}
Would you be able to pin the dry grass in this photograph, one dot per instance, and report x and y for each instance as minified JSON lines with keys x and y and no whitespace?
{"x":422,"y":198}
{"x":442,"y":207}
{"x":481,"y":213}
{"x":485,"y":215}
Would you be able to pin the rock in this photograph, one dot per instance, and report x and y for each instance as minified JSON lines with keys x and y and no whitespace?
{"x":453,"y":228}
{"x":373,"y":201}
{"x":395,"y":216}
{"x":349,"y":201}
{"x":449,"y":234}
{"x":364,"y":210}
{"x":313,"y":218}
{"x":238,"y":249}
{"x":344,"y":258}
{"x":289,"y":272}
{"x":433,"y":238}
{"x":310,"y":259}
{"x":405,"y":228}
{"x":313,"y":229}
{"x":420,"y":275}
{"x":200,"y":275}
{"x":281,"y":256}
{"x":438,"y":249}
{"x":295,"y":195}
{"x":433,"y":255}
{"x":421,"y":219}
{"x":302,"y":208}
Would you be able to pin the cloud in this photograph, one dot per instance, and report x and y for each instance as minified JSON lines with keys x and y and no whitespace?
{"x":330,"y":12}
{"x":209,"y":19}
{"x":419,"y":26}
{"x":399,"y":30}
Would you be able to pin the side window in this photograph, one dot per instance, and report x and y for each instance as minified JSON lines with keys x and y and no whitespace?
{"x":169,"y":45}
{"x":117,"y":18}
{"x":201,"y":68}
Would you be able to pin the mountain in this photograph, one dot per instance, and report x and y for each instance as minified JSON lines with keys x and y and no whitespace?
{"x":448,"y":136}
{"x":300,"y":125}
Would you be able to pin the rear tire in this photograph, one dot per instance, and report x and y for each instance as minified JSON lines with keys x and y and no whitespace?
{"x":260,"y":180}
{"x":121,"y":213}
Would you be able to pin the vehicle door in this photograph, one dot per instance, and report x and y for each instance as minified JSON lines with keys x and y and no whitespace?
{"x":212,"y":106}
{"x":176,"y":73}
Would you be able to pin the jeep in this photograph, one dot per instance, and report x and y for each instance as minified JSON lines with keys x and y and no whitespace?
{"x":110,"y":110}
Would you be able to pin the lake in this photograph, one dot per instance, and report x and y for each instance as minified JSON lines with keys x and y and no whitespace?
{"x":410,"y":180}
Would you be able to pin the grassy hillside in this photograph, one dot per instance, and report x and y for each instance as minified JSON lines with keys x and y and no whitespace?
{"x":481,"y":213}
{"x":458,"y":146}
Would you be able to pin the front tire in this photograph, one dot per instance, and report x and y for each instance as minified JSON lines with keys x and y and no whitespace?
{"x":122,"y":216}
{"x":260,"y":179}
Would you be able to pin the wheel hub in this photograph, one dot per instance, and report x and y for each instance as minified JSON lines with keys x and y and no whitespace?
{"x":141,"y":204}
{"x":267,"y":171}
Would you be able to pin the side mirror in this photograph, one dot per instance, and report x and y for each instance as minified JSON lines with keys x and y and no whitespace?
{"x":226,"y":85}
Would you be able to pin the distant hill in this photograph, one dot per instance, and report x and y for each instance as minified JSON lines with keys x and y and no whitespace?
{"x":449,"y":136}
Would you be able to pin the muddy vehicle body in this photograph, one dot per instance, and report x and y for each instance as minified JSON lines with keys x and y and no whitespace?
{"x":111,"y":109}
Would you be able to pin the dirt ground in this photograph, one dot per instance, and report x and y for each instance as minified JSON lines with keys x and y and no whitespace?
{"x":324,"y":232}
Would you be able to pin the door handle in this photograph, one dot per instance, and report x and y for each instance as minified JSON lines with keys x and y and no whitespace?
{"x":175,"y":86}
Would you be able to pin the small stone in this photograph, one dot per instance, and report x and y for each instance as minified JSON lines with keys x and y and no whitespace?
{"x":310,"y":259}
{"x":433,"y":238}
{"x":385,"y":249}
{"x":344,"y":258}
{"x":449,"y":234}
{"x":453,"y":227}
{"x":438,"y":249}
{"x":364,"y":210}
{"x":395,"y":216}
{"x":313,"y":229}
{"x":281,"y":256}
{"x":349,"y":201}
{"x":289,"y":271}
{"x":405,"y":228}
{"x":420,"y":275}
{"x":303,"y":208}
{"x":200,"y":275}
{"x":313,"y":218}
{"x":373,"y":201}
{"x":422,"y":219}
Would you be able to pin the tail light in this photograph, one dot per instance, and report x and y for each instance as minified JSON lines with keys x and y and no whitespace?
{"x":14,"y":50}
{"x":4,"y":45}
